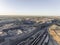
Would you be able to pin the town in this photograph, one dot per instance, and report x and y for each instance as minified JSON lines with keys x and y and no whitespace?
{"x":29,"y":31}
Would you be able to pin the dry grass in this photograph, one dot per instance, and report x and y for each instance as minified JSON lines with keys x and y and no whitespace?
{"x":53,"y":34}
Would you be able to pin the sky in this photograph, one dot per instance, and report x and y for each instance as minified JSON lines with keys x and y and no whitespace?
{"x":30,"y":7}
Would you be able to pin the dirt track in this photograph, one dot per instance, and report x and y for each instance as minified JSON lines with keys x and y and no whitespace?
{"x":53,"y":34}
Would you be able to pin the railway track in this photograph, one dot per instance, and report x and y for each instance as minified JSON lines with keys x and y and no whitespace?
{"x":35,"y":39}
{"x":39,"y":40}
{"x":35,"y":42}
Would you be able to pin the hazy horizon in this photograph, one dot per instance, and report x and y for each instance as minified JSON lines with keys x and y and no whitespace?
{"x":30,"y":7}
